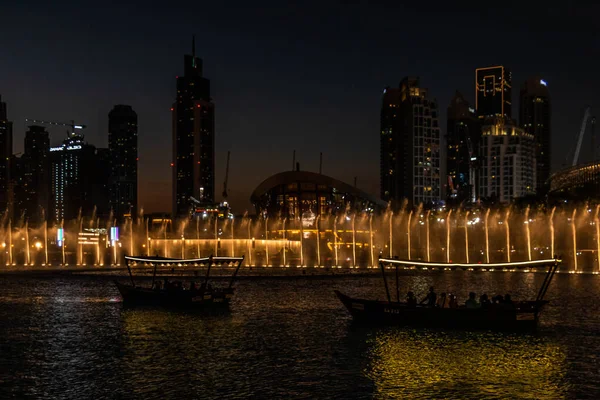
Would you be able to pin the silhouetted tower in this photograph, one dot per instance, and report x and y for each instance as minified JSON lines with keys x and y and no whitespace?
{"x":193,"y":138}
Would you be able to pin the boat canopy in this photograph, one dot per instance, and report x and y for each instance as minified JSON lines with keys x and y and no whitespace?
{"x":502,"y":265}
{"x":183,"y":261}
{"x":207,"y":262}
{"x":551,"y":264}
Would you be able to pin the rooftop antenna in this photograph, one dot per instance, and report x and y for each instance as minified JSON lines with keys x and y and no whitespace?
{"x":355,"y":178}
{"x":294,"y":160}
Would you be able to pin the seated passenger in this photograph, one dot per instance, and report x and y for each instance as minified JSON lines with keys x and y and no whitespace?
{"x":453,"y":302}
{"x":430,"y":299}
{"x":471,"y":302}
{"x":507,"y":299}
{"x":484,"y":301}
{"x":498,"y":299}
{"x":411,"y":300}
{"x":441,"y":301}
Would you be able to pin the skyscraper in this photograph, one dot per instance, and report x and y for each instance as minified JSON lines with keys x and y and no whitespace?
{"x":123,"y":155}
{"x":79,"y":179}
{"x":493,"y":90}
{"x":535,"y":118}
{"x":410,"y":145}
{"x":6,"y":145}
{"x":35,"y":169}
{"x":462,"y":139}
{"x":507,"y":155}
{"x":193,"y":139}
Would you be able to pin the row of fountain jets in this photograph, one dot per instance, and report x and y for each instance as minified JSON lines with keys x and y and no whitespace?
{"x":317,"y":238}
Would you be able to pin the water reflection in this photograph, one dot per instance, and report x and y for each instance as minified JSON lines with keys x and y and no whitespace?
{"x":476,"y":365}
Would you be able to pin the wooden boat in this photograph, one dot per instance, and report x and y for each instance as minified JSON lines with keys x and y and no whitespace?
{"x":515,"y":316}
{"x":204,"y":296}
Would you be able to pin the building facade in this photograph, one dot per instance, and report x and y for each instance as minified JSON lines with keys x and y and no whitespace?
{"x":493,"y":91}
{"x":80,"y":180}
{"x":507,"y":155}
{"x":35,"y":171}
{"x":300,"y":194}
{"x":535,"y":119}
{"x":193,"y":139}
{"x":6,"y":148}
{"x":463,"y":134}
{"x":123,"y":155}
{"x":410,"y":145}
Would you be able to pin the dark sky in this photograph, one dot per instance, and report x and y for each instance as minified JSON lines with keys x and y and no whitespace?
{"x":285,"y":75}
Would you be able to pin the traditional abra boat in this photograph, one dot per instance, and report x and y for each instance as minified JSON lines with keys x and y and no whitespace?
{"x":203,"y":296}
{"x":514,"y":316}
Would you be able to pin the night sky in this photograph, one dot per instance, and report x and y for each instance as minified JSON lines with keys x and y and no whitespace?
{"x":307,"y":77}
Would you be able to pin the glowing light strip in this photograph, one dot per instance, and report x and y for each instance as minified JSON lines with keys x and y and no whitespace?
{"x":507,"y":264}
{"x":179,"y":260}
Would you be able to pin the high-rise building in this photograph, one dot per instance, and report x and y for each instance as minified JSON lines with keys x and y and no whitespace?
{"x":6,"y":146}
{"x":35,"y":170}
{"x":507,"y":153}
{"x":193,"y":139}
{"x":462,"y":140}
{"x":493,"y":90}
{"x":410,"y":145}
{"x":535,"y":118}
{"x":122,"y":146}
{"x":79,"y":179}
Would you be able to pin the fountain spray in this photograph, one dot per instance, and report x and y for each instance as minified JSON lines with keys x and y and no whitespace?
{"x":335,"y":245}
{"x":28,"y":251}
{"x":318,"y":244}
{"x":46,"y":240}
{"x":267,"y":241}
{"x":391,"y":235}
{"x":507,"y":235}
{"x":427,"y":232}
{"x":448,"y":236}
{"x":574,"y":231}
{"x":597,"y":223}
{"x":527,"y":232}
{"x":284,"y":243}
{"x":408,"y":231}
{"x":552,"y":230}
{"x":353,"y":241}
{"x":487,"y":237}
{"x":371,"y":240}
{"x":467,"y":236}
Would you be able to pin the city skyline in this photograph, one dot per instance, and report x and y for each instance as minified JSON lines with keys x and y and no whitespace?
{"x":257,"y":114}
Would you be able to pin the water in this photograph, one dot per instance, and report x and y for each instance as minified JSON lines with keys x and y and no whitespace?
{"x":70,"y":337}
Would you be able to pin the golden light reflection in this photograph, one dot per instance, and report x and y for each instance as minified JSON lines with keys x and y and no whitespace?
{"x":465,"y":365}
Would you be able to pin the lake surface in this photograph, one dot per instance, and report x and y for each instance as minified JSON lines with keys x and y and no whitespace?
{"x":70,"y":338}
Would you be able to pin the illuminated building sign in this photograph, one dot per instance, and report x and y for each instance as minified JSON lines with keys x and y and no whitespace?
{"x":88,"y":238}
{"x":114,"y":234}
{"x":543,"y":82}
{"x":61,"y":148}
{"x":60,"y":236}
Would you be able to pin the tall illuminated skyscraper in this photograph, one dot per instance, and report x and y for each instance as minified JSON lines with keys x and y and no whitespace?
{"x":123,"y":155}
{"x":193,"y":139}
{"x":410,"y":145}
{"x":493,"y":91}
{"x":6,"y":145}
{"x":535,"y":118}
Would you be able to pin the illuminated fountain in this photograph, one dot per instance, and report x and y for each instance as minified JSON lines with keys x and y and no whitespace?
{"x":349,"y":239}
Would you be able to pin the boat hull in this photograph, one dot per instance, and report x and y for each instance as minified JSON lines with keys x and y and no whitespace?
{"x":177,"y":298}
{"x":524,"y":316}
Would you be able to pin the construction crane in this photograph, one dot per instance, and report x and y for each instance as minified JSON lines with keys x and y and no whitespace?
{"x":226,"y":178}
{"x":70,"y":124}
{"x":586,"y":117}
